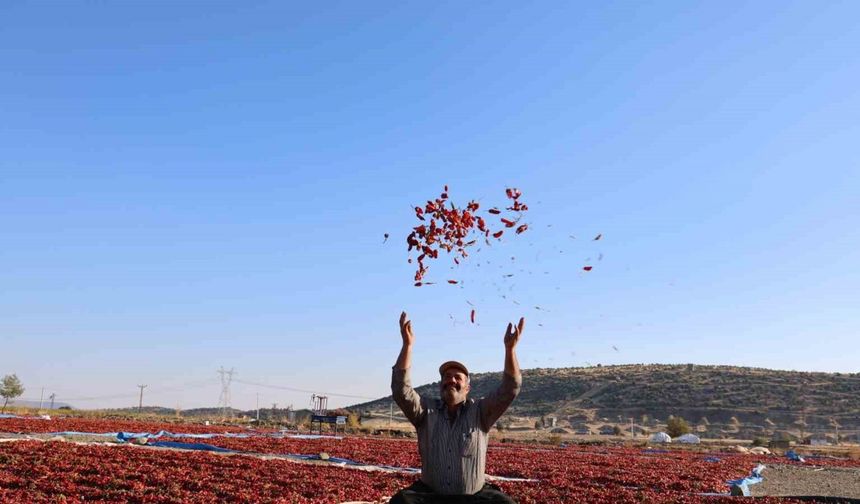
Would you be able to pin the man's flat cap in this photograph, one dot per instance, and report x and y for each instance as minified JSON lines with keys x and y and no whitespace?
{"x":452,"y":364}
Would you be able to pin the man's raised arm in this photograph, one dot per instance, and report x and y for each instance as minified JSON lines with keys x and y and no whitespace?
{"x":401,"y":385}
{"x":494,"y":405}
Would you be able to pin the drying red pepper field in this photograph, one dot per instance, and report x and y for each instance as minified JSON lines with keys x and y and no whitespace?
{"x":66,"y":471}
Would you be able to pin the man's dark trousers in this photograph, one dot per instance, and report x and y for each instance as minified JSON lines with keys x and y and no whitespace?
{"x":419,"y":493}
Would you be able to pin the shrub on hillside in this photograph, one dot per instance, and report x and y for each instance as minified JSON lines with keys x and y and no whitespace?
{"x":677,"y":426}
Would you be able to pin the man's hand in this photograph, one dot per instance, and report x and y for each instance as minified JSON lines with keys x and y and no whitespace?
{"x":406,"y":330}
{"x":512,"y":335}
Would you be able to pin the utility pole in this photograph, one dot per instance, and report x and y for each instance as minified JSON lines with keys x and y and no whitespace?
{"x":632,"y":430}
{"x":140,"y":404}
{"x":41,"y":396}
{"x":258,"y":407}
{"x":390,"y":414}
{"x":51,"y":397}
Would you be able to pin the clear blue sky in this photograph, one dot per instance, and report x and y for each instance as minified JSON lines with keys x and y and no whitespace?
{"x":189,"y":186}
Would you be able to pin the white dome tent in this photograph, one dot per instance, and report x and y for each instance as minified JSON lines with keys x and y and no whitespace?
{"x":661,"y":437}
{"x":689,"y":439}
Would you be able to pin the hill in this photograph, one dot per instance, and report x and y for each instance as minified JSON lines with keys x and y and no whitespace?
{"x":719,"y":398}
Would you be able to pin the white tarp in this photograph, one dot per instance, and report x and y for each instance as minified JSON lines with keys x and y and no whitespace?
{"x":689,"y":439}
{"x":661,"y":437}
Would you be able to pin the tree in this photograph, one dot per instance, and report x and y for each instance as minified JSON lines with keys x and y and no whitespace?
{"x":10,"y":388}
{"x":353,"y":421}
{"x":677,"y":426}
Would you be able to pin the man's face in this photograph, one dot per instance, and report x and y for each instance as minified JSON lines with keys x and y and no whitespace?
{"x":454,"y":386}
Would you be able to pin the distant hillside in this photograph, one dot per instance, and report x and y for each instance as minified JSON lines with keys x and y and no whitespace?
{"x":23,"y":403}
{"x":701,"y":394}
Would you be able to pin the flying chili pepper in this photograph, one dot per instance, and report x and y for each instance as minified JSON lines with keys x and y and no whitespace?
{"x":598,"y":237}
{"x":472,"y":316}
{"x":450,"y":228}
{"x":586,"y":268}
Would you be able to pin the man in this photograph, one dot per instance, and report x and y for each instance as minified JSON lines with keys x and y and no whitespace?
{"x":453,"y":432}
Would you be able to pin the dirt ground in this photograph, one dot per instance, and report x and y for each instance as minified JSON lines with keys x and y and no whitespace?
{"x":799,"y":481}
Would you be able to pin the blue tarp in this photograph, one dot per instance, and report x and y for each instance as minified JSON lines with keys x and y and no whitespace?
{"x":9,"y":415}
{"x":76,"y":433}
{"x":741,"y":486}
{"x":190,"y":446}
{"x":123,"y":436}
{"x":310,"y":436}
{"x":794,"y":456}
{"x":334,"y":460}
{"x":295,"y":456}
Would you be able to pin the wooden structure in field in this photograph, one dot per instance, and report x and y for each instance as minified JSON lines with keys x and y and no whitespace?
{"x":320,"y":416}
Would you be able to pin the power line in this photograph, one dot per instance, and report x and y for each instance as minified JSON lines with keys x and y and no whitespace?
{"x":292,"y":389}
{"x":178,"y":388}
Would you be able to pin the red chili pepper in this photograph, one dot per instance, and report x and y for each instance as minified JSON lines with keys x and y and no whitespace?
{"x":587,"y":268}
{"x":494,"y":211}
{"x":473,"y":316}
{"x":498,"y":234}
{"x":452,"y":281}
{"x":417,"y":284}
{"x":513,"y":193}
{"x":522,"y":228}
{"x":598,"y":237}
{"x":507,"y":223}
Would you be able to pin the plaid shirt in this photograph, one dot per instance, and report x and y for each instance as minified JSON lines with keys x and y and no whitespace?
{"x":453,"y":453}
